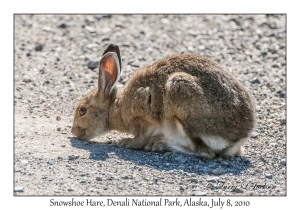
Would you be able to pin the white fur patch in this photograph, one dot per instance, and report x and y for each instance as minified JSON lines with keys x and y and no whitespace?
{"x":177,"y":138}
{"x":237,"y":148}
{"x":215,"y":143}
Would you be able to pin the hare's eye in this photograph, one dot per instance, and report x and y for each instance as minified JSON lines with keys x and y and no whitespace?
{"x":82,"y":111}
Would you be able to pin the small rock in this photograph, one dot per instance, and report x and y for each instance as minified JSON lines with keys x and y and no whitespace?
{"x":254,"y":134}
{"x":213,"y":179}
{"x":92,"y":64}
{"x":59,"y":158}
{"x":274,"y":145}
{"x":194,"y":180}
{"x":181,"y":159}
{"x":70,"y":189}
{"x":256,"y":81}
{"x":98,"y":178}
{"x":39,"y":47}
{"x":63,"y":25}
{"x":238,"y":190}
{"x":91,"y":46}
{"x":58,"y":118}
{"x":73,"y":157}
{"x":90,"y":29}
{"x":264,"y":53}
{"x":181,"y":167}
{"x":269,"y":156}
{"x":63,"y":145}
{"x":283,"y":162}
{"x":58,"y":129}
{"x":26,"y":79}
{"x":134,"y":64}
{"x":269,"y":176}
{"x":57,"y":191}
{"x":19,"y":189}
{"x":28,"y":54}
{"x":217,"y":171}
{"x":199,"y":193}
{"x":47,"y":28}
{"x":165,"y":21}
{"x":181,"y":188}
{"x":125,"y":177}
{"x":111,"y":155}
{"x":257,"y":170}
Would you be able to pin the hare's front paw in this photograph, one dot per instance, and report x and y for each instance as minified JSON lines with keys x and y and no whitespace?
{"x":131,"y":143}
{"x":124,"y":142}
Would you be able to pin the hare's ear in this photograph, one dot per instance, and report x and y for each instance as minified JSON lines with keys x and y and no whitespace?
{"x":113,"y":48}
{"x":109,"y":73}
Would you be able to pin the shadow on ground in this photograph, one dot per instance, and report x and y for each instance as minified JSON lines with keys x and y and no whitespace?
{"x":164,"y":161}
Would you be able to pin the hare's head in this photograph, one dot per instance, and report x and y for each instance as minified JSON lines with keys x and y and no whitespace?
{"x":91,"y":114}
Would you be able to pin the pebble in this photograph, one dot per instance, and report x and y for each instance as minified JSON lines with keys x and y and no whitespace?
{"x":90,"y":29}
{"x":165,"y":21}
{"x":19,"y":189}
{"x":217,"y":171}
{"x":213,"y":179}
{"x":199,"y":193}
{"x":193,"y":180}
{"x":73,"y":157}
{"x":58,"y":118}
{"x":26,"y":79}
{"x":39,"y":47}
{"x":63,"y":25}
{"x":59,"y":158}
{"x":256,"y":81}
{"x":254,"y":134}
{"x":181,"y":167}
{"x":181,"y":188}
{"x":238,"y":190}
{"x":58,"y":129}
{"x":92,"y":64}
{"x":269,"y":176}
{"x":283,"y":162}
{"x":98,"y":178}
{"x":181,"y":159}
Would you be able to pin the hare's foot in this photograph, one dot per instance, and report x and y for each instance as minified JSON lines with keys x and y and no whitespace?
{"x":157,"y":143}
{"x":131,"y":143}
{"x":201,"y":150}
{"x":236,"y":150}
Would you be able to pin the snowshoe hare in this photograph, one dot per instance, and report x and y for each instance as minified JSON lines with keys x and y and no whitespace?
{"x":188,"y":103}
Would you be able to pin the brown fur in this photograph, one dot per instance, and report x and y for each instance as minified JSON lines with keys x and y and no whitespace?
{"x":188,"y":91}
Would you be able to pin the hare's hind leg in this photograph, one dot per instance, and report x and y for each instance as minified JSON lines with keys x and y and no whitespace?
{"x":157,"y":143}
{"x":236,"y":149}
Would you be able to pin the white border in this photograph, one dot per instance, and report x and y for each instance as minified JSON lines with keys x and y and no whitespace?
{"x":138,"y":6}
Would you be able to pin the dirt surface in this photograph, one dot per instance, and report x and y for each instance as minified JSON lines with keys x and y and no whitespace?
{"x":51,"y":74}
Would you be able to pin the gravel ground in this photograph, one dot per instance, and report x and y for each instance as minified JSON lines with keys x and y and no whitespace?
{"x":54,"y":59}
